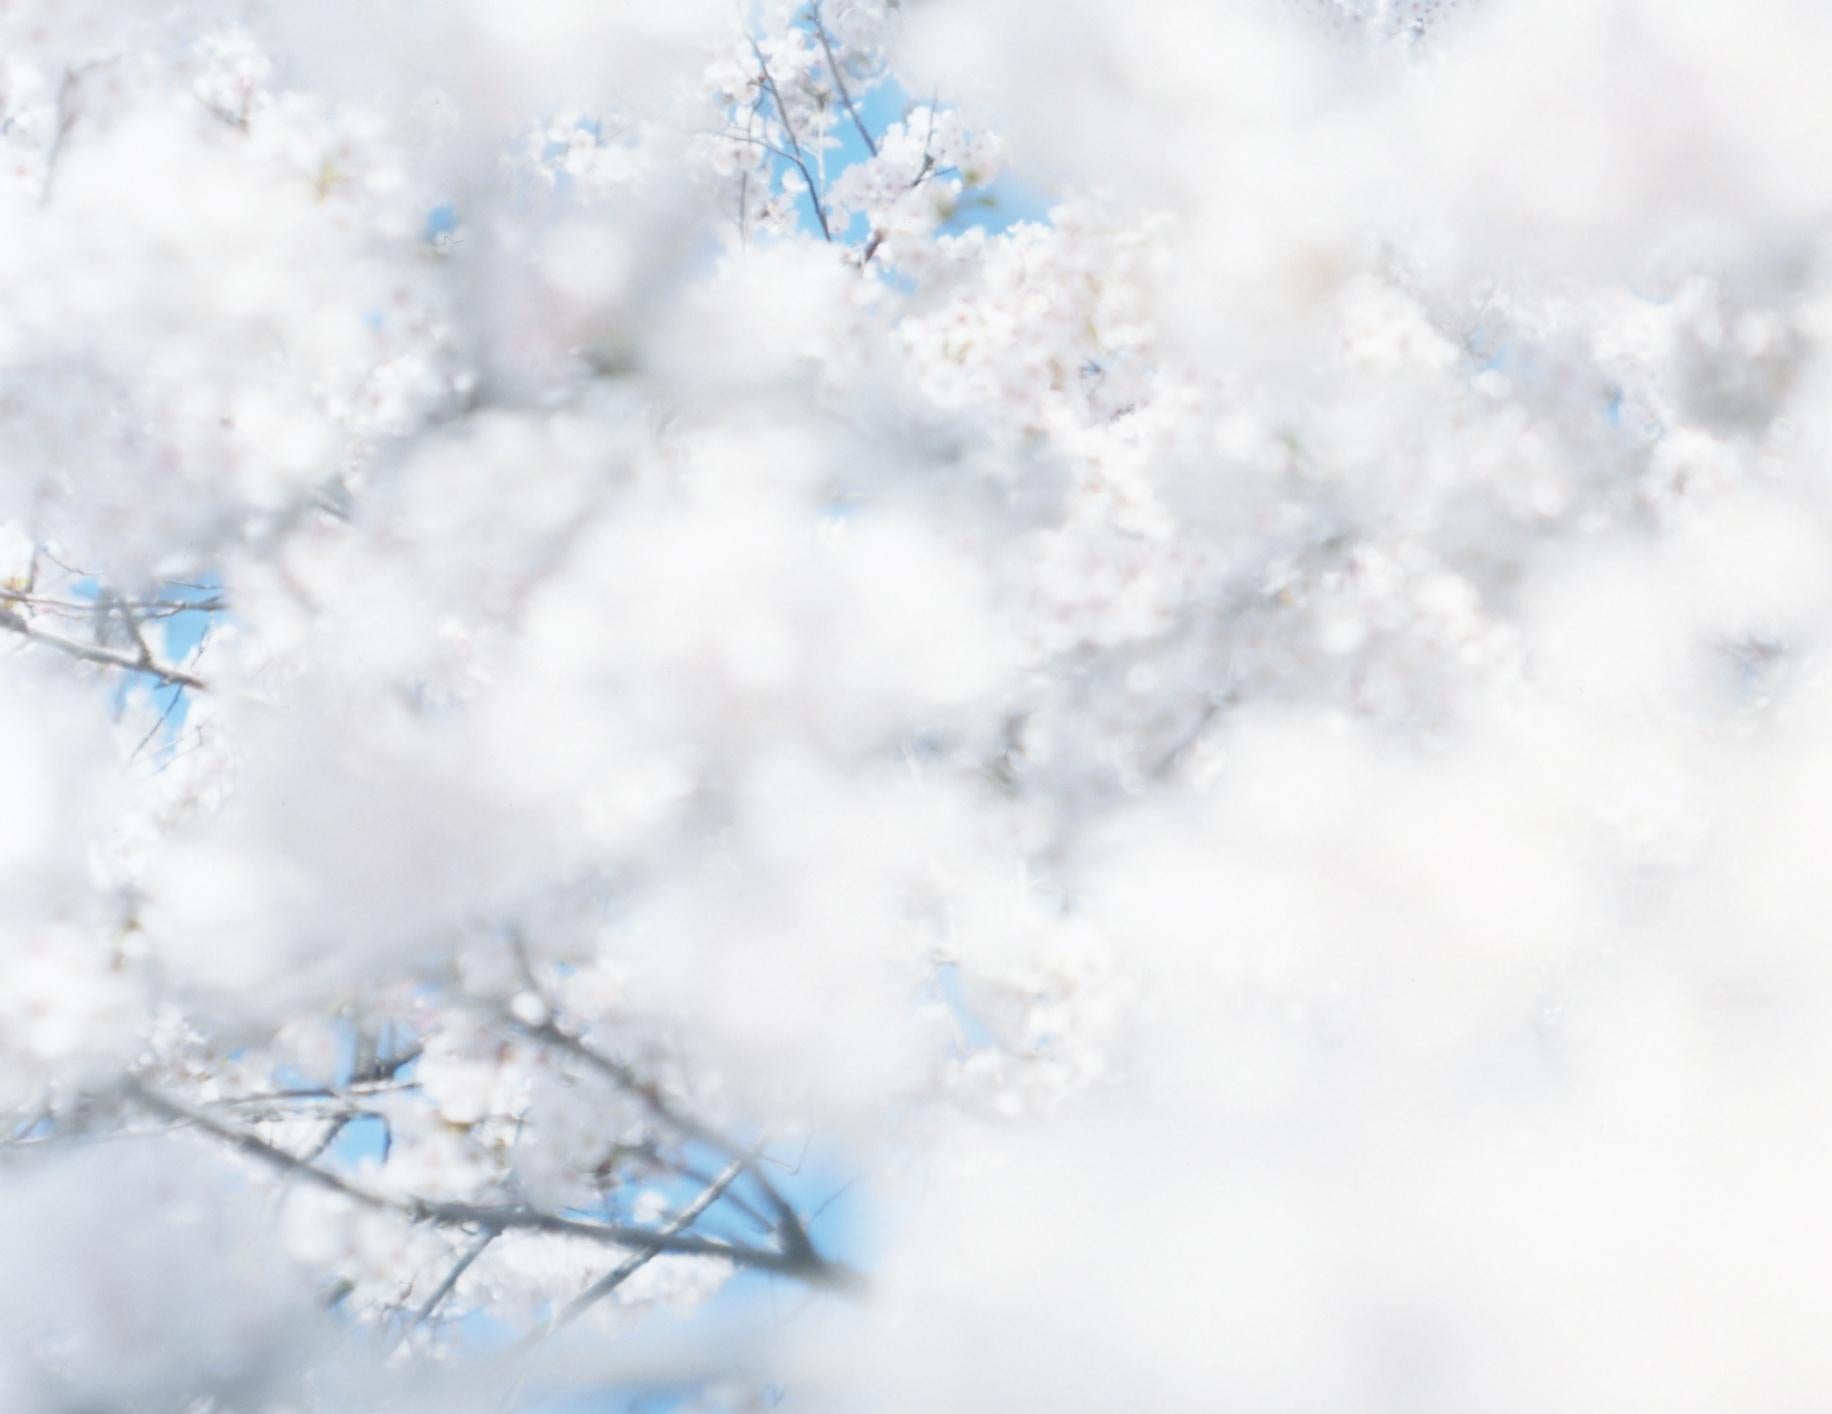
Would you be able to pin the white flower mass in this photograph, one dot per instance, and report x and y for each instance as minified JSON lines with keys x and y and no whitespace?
{"x":930,"y":706}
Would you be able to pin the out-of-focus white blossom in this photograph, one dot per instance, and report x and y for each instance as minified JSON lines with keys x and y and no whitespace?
{"x":581,"y":612}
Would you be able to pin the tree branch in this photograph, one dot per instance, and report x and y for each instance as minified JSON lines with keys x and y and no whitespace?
{"x":794,"y":1235}
{"x":795,"y":148}
{"x":11,"y":621}
{"x":806,"y":1266}
{"x":839,"y":79}
{"x":444,"y":1289}
{"x":636,"y":1261}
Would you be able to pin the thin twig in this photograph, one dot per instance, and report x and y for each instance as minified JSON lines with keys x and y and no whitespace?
{"x":796,"y":1244}
{"x":145,"y":608}
{"x":444,"y":1288}
{"x":744,"y":180}
{"x":63,"y":120}
{"x":807,"y":176}
{"x":346,"y":1093}
{"x":636,"y":1261}
{"x":699,"y":1175}
{"x":338,"y":1124}
{"x":170,"y":707}
{"x":788,"y":1223}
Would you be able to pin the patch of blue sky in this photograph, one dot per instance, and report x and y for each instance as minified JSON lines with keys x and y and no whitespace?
{"x":441,"y":220}
{"x":1004,"y":202}
{"x":1001,"y":204}
{"x":364,"y":1139}
{"x":177,"y":634}
{"x":948,"y":987}
{"x":813,"y":1176}
{"x":442,"y":225}
{"x":1488,"y":353}
{"x":186,"y":629}
{"x":995,"y":207}
{"x":362,"y":1142}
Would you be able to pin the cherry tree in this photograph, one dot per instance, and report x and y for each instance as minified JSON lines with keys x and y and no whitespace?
{"x":587,"y":613}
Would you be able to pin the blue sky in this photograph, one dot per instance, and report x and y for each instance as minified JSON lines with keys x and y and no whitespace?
{"x":172,"y":638}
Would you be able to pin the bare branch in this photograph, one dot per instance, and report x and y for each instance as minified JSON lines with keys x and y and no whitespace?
{"x":158,"y":726}
{"x":794,"y":1235}
{"x":806,"y":1265}
{"x":145,"y":608}
{"x":444,"y":1288}
{"x":795,"y":148}
{"x":346,"y":1094}
{"x":338,"y":1124}
{"x":839,"y":79}
{"x":653,"y":1156}
{"x":12,"y":622}
{"x":636,"y":1261}
{"x":252,"y":1145}
{"x":109,"y":599}
{"x":788,"y":1222}
{"x":64,"y":119}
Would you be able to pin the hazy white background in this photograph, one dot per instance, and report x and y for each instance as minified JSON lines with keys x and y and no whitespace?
{"x":1247,"y":758}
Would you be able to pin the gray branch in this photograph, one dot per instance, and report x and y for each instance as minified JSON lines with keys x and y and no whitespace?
{"x":12,"y":622}
{"x":636,"y":1261}
{"x":839,"y":79}
{"x":806,"y":1266}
